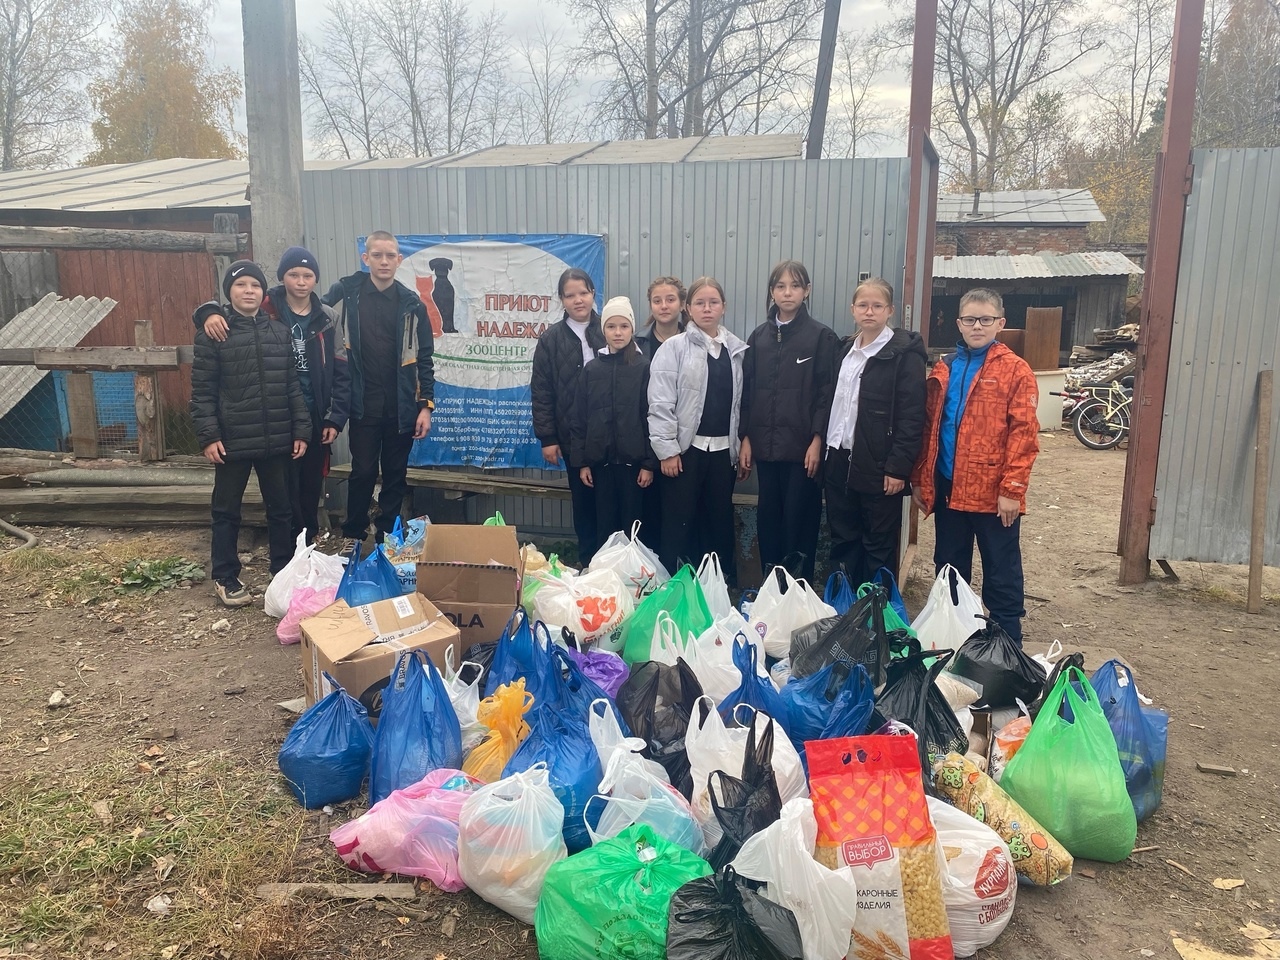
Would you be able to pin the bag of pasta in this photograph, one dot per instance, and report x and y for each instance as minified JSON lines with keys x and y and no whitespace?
{"x":869,"y":800}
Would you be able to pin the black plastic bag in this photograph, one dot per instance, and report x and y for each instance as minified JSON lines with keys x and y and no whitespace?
{"x":1070,"y":660}
{"x":746,"y":806}
{"x":721,"y":918}
{"x":999,"y":669}
{"x":656,"y":702}
{"x":857,"y":637}
{"x":481,"y":653}
{"x":911,"y":696}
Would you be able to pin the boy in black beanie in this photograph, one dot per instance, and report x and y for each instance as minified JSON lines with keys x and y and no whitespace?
{"x":249,"y":413}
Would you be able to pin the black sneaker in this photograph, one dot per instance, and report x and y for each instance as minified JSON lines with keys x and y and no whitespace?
{"x":232,"y":593}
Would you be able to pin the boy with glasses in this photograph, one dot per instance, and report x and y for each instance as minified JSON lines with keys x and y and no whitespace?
{"x":980,"y":441}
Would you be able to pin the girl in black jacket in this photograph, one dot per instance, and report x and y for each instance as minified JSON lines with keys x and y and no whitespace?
{"x":562,"y":351}
{"x":611,"y":430}
{"x":667,"y":297}
{"x":874,"y":435}
{"x":249,"y":413}
{"x":788,"y":380}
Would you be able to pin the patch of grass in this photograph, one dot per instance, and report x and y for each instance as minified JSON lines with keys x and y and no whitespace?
{"x":35,"y":560}
{"x":205,"y":836}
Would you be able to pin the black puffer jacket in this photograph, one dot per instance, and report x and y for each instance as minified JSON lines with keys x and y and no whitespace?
{"x":890,"y":427}
{"x":244,"y":391}
{"x":557,"y":367}
{"x":612,"y":422}
{"x":787,"y":385}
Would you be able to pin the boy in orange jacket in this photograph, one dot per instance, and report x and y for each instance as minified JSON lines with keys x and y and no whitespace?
{"x":980,"y":441}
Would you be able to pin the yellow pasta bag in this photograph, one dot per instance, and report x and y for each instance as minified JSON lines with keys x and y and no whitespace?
{"x":503,"y":714}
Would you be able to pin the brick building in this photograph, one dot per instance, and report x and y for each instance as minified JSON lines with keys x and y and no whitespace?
{"x":1014,"y":222}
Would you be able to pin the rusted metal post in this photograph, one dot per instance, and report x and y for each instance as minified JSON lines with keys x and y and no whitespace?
{"x":1261,"y":485}
{"x":1168,"y":212}
{"x":923,"y":192}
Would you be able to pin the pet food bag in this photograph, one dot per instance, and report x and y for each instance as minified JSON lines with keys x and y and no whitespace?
{"x":869,"y":800}
{"x":1037,"y":857}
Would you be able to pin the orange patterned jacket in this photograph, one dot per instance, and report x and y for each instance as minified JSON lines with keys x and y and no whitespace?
{"x":997,"y":441}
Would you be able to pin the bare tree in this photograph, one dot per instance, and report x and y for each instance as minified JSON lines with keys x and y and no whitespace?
{"x":1239,"y":97}
{"x":1139,"y":42}
{"x":403,"y":30}
{"x":48,"y":50}
{"x":548,"y":83}
{"x":991,"y":56}
{"x":466,"y":57}
{"x":856,"y":118}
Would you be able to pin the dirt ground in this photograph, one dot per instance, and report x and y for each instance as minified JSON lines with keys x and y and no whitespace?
{"x":142,"y":673}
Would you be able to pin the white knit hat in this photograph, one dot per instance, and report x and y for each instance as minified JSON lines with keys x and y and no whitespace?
{"x":619,"y":307}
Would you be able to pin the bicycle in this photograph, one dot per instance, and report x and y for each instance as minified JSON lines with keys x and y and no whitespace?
{"x":1101,"y":422}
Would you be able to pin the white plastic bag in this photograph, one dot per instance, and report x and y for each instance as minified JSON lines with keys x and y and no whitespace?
{"x":823,"y":900}
{"x":943,"y":625}
{"x":1049,"y":657}
{"x":633,"y":794}
{"x":668,"y":646}
{"x":710,"y":655}
{"x":465,"y":698}
{"x":775,"y":614}
{"x":509,"y":835}
{"x":980,"y":886}
{"x":780,"y":673}
{"x":593,"y":605}
{"x":712,"y":746}
{"x":308,"y":568}
{"x":606,"y":734}
{"x":638,"y":567}
{"x":714,"y":587}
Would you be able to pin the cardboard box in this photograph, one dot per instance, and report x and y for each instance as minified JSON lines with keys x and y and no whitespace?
{"x":359,"y":646}
{"x":472,"y":574}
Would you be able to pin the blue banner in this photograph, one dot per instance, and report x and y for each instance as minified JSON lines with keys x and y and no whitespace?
{"x":489,"y":299}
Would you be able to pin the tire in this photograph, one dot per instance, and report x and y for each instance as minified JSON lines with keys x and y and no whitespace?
{"x":1097,"y":431}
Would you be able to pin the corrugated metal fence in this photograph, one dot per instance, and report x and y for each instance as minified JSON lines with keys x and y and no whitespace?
{"x":732,"y":220}
{"x":1226,"y":326}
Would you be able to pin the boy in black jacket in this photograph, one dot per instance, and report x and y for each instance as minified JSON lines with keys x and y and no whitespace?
{"x":249,"y":413}
{"x":610,"y":446}
{"x":787,"y":385}
{"x":325,"y":384}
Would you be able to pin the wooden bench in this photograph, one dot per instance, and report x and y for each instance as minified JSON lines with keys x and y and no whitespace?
{"x":496,"y":484}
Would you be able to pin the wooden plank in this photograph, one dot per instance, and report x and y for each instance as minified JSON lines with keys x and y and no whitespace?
{"x":1043,"y":338}
{"x":1015,"y":340}
{"x":121,"y":506}
{"x":82,"y":408}
{"x":1261,"y":484}
{"x":17,"y":357}
{"x":106,"y":358}
{"x":338,"y":891}
{"x":90,"y":238}
{"x":498,"y":486}
{"x":146,"y":406}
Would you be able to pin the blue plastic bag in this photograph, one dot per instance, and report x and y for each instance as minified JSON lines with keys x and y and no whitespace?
{"x":1141,"y":732}
{"x":564,"y":744}
{"x":755,"y":690}
{"x":368,"y":580}
{"x":853,"y":707}
{"x":839,"y":593}
{"x":884,"y":577}
{"x":418,"y":730}
{"x":812,"y":701}
{"x":524,"y":650}
{"x":326,"y":755}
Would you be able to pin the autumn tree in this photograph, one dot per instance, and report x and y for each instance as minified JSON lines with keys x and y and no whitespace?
{"x":856,"y":118}
{"x":1239,"y":93}
{"x":163,"y":98}
{"x":548,"y":74}
{"x":47,"y":48}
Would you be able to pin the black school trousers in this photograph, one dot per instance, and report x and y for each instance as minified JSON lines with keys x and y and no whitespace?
{"x":306,"y":481}
{"x":374,"y":442}
{"x":788,"y":516}
{"x":229,"y":481}
{"x":619,"y":498}
{"x":865,"y":527}
{"x":697,"y":511}
{"x":1000,"y":548}
{"x":583,"y":499}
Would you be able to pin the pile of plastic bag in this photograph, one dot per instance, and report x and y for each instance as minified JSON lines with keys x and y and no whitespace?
{"x":684,"y":779}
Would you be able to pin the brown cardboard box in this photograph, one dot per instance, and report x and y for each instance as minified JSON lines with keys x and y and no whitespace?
{"x":359,"y":646}
{"x":472,"y":573}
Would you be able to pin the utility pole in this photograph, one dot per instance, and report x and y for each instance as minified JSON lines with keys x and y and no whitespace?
{"x":822,"y":81}
{"x":273,"y":102}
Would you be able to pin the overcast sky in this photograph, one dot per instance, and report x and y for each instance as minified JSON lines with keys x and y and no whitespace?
{"x":520,"y":15}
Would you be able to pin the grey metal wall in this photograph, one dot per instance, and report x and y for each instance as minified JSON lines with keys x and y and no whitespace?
{"x":1226,"y":322}
{"x":732,"y":220}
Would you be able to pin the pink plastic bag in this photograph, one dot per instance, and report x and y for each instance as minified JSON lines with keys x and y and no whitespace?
{"x":413,"y":832}
{"x":305,"y":602}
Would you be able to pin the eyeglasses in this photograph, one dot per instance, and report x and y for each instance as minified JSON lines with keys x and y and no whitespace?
{"x":971,"y":321}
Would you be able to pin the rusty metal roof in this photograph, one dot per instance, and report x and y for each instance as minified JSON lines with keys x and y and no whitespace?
{"x":1035,"y":265}
{"x":1005,"y":207}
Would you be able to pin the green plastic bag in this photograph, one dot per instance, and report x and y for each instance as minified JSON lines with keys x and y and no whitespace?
{"x":1068,"y":776}
{"x":682,"y":598}
{"x":892,"y":621}
{"x":611,"y":900}
{"x":496,"y":520}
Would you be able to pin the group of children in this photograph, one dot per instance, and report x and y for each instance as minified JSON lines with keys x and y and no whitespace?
{"x":657,"y":426}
